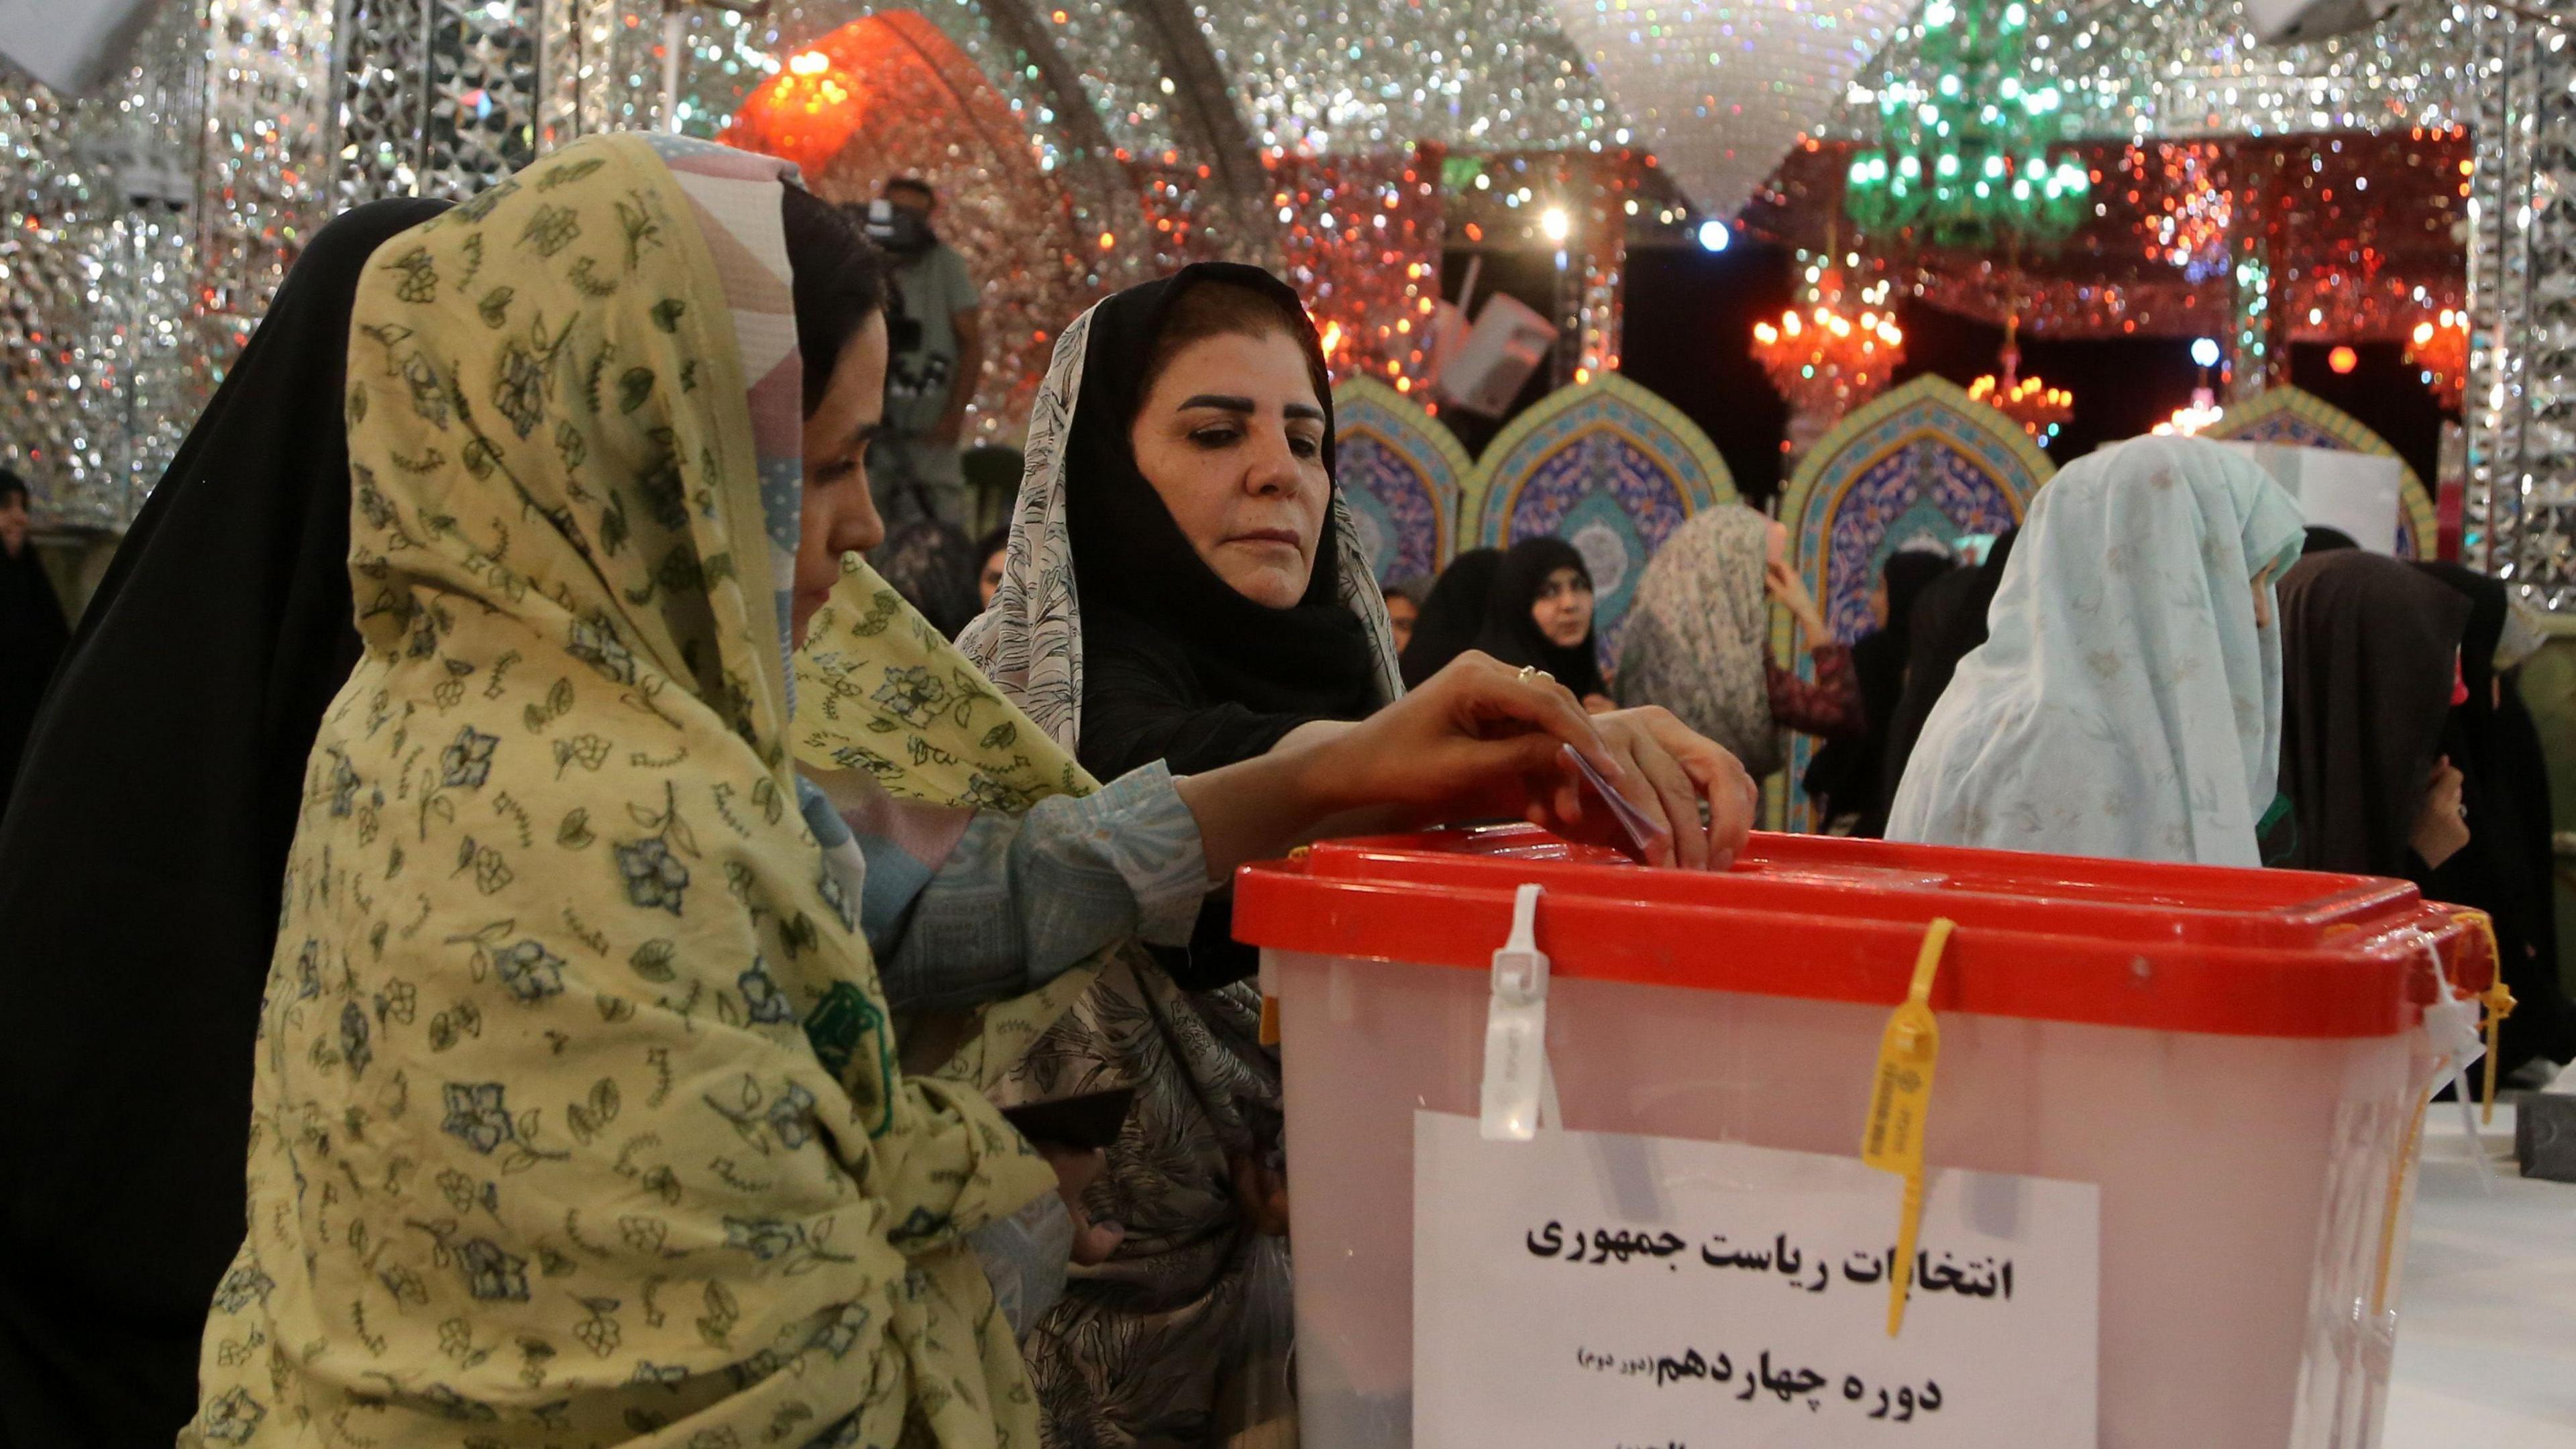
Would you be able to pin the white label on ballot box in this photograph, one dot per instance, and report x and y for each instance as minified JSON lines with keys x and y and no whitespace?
{"x":1593,"y":1290}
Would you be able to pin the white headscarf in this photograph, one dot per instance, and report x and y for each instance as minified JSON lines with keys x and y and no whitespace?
{"x":2124,"y":703}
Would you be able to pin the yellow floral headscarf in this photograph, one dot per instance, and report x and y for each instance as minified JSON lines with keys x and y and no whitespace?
{"x":576,"y":1119}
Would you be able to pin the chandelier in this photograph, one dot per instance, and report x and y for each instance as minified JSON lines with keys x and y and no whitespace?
{"x":2440,"y":347}
{"x":2203,"y":412}
{"x":1825,"y":361}
{"x":1964,"y":159}
{"x":2040,"y":409}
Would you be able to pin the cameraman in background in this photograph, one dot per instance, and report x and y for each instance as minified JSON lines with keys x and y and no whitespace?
{"x":937,"y":336}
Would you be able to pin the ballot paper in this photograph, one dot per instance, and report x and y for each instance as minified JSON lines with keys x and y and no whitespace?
{"x":1592,"y":1290}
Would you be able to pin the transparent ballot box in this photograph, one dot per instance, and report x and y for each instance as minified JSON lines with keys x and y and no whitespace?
{"x":2178,"y":1104}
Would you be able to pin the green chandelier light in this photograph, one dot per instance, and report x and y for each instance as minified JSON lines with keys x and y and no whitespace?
{"x":1964,"y":160}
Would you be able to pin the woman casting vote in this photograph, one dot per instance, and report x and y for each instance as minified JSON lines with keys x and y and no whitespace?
{"x":1183,"y":585}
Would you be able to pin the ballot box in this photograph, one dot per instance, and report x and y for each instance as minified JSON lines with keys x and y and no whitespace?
{"x":2167,"y":1138}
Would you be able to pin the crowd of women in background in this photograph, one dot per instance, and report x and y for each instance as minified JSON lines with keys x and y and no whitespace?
{"x":617,"y":931}
{"x":2162,"y":663}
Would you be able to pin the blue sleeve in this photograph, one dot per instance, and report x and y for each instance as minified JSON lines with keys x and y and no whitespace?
{"x":1020,"y":900}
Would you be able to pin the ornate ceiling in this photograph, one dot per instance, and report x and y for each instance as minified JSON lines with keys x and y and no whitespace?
{"x":145,"y":227}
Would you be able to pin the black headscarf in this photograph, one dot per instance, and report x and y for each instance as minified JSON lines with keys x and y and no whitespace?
{"x":139,"y":873}
{"x":1511,"y":634}
{"x":2322,"y":539}
{"x":2367,"y":648}
{"x":930,"y":563}
{"x":1906,"y":575}
{"x":1846,"y":773}
{"x":1177,"y":666}
{"x":1948,"y":621}
{"x":2505,"y":869}
{"x":32,"y":635}
{"x":1454,"y":614}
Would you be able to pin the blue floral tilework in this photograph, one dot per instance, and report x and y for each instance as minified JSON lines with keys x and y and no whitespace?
{"x":1609,"y":477}
{"x":1391,"y":503}
{"x":1403,"y":478}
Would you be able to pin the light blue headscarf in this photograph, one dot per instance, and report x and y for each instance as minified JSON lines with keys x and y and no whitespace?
{"x":2124,"y":703}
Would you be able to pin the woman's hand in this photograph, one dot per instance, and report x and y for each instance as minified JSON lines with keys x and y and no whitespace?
{"x":1075,"y":1171}
{"x":1683,"y":770}
{"x":1780,"y":580}
{"x":1478,"y":739}
{"x":1667,"y":771}
{"x":1477,"y":734}
{"x":2441,"y":822}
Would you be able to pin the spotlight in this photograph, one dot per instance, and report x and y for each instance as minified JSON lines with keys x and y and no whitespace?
{"x":2204,"y":350}
{"x":1554,"y":223}
{"x":1713,"y":235}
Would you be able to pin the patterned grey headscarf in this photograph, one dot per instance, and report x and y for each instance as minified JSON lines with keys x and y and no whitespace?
{"x":1699,"y":635}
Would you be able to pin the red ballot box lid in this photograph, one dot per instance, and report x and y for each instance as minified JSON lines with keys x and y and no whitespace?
{"x":2059,"y":938}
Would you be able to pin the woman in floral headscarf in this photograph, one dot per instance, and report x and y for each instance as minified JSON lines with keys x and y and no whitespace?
{"x":577,"y":1113}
